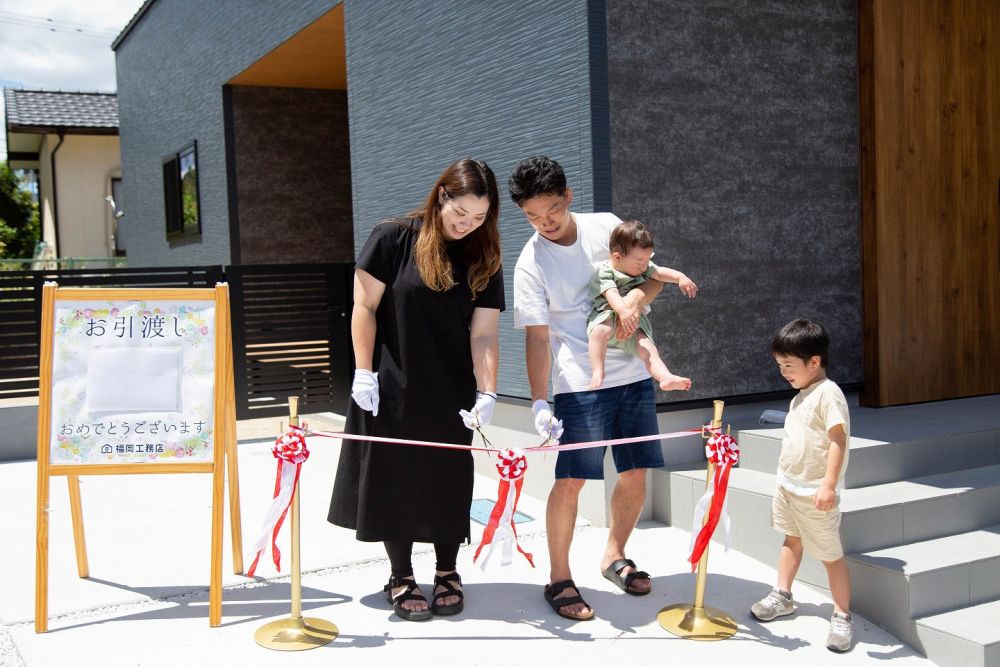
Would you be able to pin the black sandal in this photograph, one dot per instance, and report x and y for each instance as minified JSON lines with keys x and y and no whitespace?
{"x":445,"y":581}
{"x":557,"y":604}
{"x":613,"y":574}
{"x":404,"y":596}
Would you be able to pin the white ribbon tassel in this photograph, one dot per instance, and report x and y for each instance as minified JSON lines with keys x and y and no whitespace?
{"x":504,"y":535}
{"x":278,"y":505}
{"x":702,"y":508}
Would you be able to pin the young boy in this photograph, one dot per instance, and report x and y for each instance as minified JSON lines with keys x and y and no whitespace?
{"x":810,"y":469}
{"x":631,"y":248}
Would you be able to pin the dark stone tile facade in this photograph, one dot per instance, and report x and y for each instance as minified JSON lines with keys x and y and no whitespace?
{"x":293,"y":175}
{"x":734,"y":136}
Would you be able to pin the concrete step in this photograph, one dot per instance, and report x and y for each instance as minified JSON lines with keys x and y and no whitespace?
{"x":873,"y":517}
{"x":894,"y":586}
{"x":967,"y":637}
{"x":876,"y":461}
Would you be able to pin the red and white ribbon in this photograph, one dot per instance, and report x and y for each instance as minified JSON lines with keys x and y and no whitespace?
{"x":500,"y":531}
{"x":722,"y":450}
{"x":291,"y":451}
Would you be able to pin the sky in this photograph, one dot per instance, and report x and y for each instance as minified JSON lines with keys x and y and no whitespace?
{"x":60,"y":45}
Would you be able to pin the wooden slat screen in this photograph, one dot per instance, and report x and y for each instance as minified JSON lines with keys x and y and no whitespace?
{"x":291,"y":337}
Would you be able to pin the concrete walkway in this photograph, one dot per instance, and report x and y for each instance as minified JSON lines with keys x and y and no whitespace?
{"x":146,"y":602}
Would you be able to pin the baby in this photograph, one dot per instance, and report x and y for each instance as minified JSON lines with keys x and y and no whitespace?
{"x":629,"y":266}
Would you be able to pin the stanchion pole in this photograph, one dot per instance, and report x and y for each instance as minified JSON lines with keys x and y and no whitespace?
{"x":296,"y":633}
{"x":696,"y":621}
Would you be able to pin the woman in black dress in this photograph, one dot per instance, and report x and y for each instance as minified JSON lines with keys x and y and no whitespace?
{"x":428,"y":291}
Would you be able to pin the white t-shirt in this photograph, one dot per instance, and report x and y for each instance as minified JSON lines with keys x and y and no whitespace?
{"x":806,"y":445}
{"x":552,"y":288}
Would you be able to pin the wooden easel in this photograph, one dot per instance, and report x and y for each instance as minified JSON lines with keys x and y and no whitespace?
{"x":223,"y":439}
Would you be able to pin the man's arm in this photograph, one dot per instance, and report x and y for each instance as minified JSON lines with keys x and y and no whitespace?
{"x":635,"y":301}
{"x":538,"y":360}
{"x":826,"y":496}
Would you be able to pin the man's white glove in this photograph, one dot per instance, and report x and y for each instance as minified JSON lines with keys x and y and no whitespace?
{"x":481,"y":413}
{"x":364,"y":391}
{"x":547,"y":426}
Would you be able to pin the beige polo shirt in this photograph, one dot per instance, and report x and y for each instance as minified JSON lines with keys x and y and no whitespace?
{"x":813,"y":412}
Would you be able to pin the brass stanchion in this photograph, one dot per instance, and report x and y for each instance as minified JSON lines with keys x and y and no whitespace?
{"x":696,"y":621}
{"x":296,"y":633}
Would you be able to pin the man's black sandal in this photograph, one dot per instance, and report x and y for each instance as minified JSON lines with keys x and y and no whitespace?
{"x":445,"y":581}
{"x":557,"y":604}
{"x":404,"y":596}
{"x":613,"y":574}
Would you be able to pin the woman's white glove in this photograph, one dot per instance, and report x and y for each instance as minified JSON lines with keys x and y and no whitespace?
{"x":481,"y":413}
{"x":364,"y":391}
{"x":546,"y":424}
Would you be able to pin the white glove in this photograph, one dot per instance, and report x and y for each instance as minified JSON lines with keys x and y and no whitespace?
{"x":547,"y":426}
{"x":364,"y":391}
{"x":481,"y":413}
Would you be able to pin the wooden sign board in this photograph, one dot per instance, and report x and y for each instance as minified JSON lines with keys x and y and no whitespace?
{"x":136,"y":381}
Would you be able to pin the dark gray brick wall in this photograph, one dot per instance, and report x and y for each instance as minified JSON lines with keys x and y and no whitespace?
{"x":429,"y":83}
{"x":734,"y":136}
{"x":294,"y":186}
{"x":171,"y":70}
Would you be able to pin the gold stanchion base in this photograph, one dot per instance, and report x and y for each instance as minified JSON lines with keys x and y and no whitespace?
{"x":706,"y":624}
{"x":296,"y":634}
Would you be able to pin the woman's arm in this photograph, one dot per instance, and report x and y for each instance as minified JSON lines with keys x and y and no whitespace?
{"x":367,"y":295}
{"x":485,"y":347}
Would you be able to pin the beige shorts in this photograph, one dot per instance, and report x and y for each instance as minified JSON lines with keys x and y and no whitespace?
{"x":819,"y":531}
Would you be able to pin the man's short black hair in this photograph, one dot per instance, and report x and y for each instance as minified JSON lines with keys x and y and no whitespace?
{"x":802,"y":339}
{"x":535,"y":176}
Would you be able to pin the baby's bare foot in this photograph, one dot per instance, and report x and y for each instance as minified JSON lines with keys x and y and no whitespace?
{"x":671,"y":382}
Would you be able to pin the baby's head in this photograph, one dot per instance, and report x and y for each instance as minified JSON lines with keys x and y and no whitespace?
{"x":631,"y":247}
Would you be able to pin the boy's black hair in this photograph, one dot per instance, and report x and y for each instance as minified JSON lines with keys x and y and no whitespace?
{"x":802,"y":339}
{"x":535,"y":176}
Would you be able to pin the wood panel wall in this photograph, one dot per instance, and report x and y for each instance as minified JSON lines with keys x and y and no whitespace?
{"x":930,"y":201}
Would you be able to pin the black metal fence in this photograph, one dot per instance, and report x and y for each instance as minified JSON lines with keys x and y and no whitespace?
{"x":291,"y":328}
{"x":291,"y":336}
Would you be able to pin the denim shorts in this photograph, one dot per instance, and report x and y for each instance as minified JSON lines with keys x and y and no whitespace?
{"x":613,"y":412}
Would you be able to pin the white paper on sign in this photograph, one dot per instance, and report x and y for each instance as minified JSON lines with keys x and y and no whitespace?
{"x":134,"y":379}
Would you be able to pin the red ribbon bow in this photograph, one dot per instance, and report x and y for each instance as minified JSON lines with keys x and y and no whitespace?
{"x":290,"y":449}
{"x":723,"y":451}
{"x":511,"y":465}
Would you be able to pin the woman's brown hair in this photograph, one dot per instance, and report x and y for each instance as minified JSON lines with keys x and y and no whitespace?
{"x":464,"y":177}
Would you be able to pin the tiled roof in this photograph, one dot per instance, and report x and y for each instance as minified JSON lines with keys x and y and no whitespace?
{"x":50,"y":109}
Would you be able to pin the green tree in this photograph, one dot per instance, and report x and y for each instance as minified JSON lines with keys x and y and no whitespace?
{"x":18,"y":216}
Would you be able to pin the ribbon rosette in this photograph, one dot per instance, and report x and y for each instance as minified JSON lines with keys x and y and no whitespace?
{"x":291,"y":452}
{"x":500,"y":530}
{"x":723,"y":451}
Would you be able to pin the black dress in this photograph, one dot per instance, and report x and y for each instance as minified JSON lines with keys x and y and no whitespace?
{"x":423,"y":358}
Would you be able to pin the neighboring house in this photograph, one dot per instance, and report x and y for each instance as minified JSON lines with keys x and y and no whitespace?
{"x":734,"y":129}
{"x":71,"y":140}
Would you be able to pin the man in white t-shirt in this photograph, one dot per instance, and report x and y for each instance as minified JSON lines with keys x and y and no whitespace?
{"x":551,"y":303}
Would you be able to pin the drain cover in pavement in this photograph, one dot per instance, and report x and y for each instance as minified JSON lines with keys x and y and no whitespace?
{"x":481,"y":508}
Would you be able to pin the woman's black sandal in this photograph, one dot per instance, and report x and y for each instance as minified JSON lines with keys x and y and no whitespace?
{"x":445,"y":582}
{"x":404,"y":596}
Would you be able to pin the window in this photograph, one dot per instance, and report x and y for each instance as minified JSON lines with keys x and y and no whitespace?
{"x":180,"y":192}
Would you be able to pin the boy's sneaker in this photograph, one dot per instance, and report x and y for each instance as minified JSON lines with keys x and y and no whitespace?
{"x":841,"y":632}
{"x":774,"y":605}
